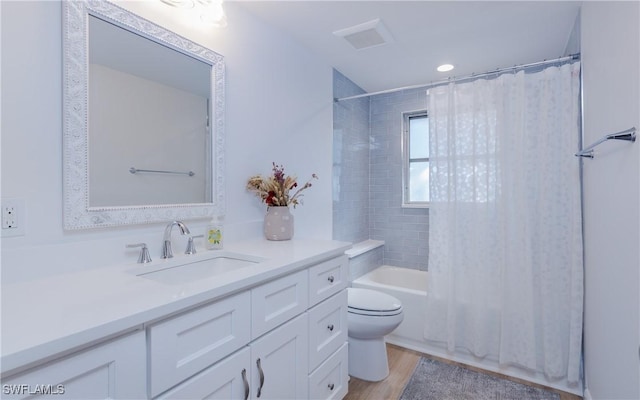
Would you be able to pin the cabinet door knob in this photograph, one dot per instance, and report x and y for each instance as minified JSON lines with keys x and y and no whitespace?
{"x":246,"y":384}
{"x":331,"y":278}
{"x":330,"y":386}
{"x":330,"y":327}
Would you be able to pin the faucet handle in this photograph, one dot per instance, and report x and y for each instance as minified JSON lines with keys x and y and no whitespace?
{"x":191,"y":248}
{"x":144,"y":252}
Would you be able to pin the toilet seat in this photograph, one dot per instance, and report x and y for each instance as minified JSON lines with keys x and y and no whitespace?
{"x":373,"y":303}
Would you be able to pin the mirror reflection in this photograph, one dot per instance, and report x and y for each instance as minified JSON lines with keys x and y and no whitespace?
{"x":149,"y":136}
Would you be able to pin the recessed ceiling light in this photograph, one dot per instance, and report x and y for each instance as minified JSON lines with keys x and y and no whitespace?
{"x":445,"y":68}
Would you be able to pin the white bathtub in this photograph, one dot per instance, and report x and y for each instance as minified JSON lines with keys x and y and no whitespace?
{"x":410,"y":287}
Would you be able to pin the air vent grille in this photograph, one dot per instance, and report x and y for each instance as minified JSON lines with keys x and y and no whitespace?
{"x":366,"y":35}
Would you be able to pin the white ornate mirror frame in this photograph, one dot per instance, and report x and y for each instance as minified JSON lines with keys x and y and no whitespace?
{"x":77,"y":212}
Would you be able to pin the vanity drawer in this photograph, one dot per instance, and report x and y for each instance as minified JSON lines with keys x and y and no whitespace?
{"x":277,"y":302}
{"x":327,"y":328}
{"x":327,"y":279}
{"x":224,"y":380}
{"x":331,"y":379}
{"x":186,"y":344}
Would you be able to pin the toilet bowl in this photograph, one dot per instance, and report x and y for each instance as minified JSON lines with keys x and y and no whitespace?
{"x":371,"y":316}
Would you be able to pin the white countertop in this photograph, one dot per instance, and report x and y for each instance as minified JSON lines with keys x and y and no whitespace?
{"x":50,"y":317}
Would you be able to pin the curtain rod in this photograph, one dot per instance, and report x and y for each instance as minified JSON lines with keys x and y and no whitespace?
{"x":464,"y":78}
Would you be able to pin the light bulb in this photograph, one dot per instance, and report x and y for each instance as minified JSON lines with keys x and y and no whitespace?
{"x":445,"y":68}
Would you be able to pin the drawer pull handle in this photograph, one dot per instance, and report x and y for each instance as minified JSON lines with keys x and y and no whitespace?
{"x":330,"y":327}
{"x":330,"y":278}
{"x":330,"y":386}
{"x":246,"y":384}
{"x":261,"y":372}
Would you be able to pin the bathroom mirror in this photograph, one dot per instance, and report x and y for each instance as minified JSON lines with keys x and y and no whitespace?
{"x":143,"y":119}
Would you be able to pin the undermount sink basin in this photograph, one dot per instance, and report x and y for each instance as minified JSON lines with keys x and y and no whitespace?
{"x":182,"y":271}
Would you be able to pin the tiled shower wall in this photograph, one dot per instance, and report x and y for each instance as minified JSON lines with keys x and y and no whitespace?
{"x":405,"y":231}
{"x":350,"y":162}
{"x":367,"y":169}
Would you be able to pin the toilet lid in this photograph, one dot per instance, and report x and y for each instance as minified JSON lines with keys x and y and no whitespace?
{"x":372,"y":301}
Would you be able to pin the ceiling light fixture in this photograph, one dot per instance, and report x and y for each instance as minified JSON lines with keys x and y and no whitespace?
{"x":211,"y":11}
{"x":445,"y":68}
{"x":179,"y":3}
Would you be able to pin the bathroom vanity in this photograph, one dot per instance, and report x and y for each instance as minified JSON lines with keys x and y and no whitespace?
{"x":258,"y":319}
{"x":273,"y":329}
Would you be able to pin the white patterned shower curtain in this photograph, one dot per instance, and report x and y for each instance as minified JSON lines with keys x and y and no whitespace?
{"x":505,"y":234}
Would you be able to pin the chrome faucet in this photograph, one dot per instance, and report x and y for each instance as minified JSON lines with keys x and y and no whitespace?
{"x":166,"y":247}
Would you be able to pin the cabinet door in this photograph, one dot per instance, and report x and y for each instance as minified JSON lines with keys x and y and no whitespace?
{"x":114,"y":370}
{"x":228,"y":379}
{"x":279,"y":362}
{"x":277,"y":302}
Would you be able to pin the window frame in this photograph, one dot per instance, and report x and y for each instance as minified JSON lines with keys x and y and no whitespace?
{"x":406,"y":160}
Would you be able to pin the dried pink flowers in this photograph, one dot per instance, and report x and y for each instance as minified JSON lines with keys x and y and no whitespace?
{"x":274,"y":190}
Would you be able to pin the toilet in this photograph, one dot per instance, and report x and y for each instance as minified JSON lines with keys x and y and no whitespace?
{"x":371,"y":316}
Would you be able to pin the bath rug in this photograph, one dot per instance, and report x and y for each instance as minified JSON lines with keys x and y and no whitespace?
{"x":435,"y":380}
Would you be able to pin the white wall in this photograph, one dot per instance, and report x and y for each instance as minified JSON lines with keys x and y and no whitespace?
{"x":610,"y":47}
{"x":279,"y":105}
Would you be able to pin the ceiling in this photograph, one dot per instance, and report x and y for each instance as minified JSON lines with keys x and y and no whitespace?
{"x":475,"y":36}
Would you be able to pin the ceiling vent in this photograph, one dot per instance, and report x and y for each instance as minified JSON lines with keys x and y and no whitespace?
{"x":366,"y":35}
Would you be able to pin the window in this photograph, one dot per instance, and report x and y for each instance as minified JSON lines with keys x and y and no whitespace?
{"x":415,"y":156}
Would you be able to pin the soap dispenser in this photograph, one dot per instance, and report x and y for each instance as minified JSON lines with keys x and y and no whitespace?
{"x":215,"y":233}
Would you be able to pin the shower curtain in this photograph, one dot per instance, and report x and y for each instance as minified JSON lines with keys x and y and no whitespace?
{"x":505,"y":236}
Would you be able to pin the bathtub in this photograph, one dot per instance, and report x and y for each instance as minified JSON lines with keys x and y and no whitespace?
{"x":410,"y":287}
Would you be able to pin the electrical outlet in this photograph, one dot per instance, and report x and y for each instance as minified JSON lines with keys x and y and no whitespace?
{"x":9,"y":217}
{"x":13,"y":217}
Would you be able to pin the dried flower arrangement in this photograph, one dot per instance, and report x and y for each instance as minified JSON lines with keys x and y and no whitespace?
{"x":274,"y":190}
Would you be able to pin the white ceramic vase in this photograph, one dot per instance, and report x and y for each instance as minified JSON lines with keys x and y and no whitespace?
{"x":278,"y":223}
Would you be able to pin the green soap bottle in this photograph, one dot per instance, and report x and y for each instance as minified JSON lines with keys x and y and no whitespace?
{"x":214,"y":234}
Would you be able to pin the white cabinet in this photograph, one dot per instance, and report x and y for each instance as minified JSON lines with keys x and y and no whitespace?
{"x":113,"y":370}
{"x":280,"y":360}
{"x":186,"y":344}
{"x":228,"y":379}
{"x":272,"y":367}
{"x":281,"y":339}
{"x":328,"y":351}
{"x":288,"y":338}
